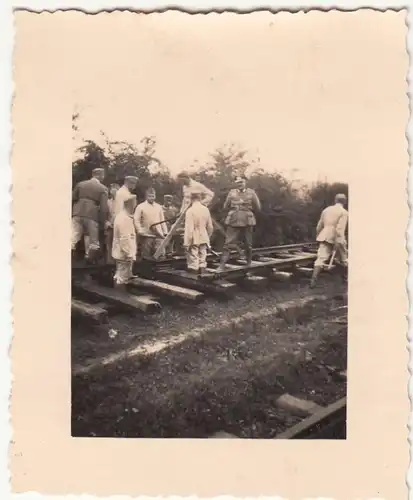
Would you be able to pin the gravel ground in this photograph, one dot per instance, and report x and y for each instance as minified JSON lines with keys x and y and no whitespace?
{"x":225,"y":380}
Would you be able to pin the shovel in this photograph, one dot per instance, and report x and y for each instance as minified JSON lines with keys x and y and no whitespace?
{"x":214,"y":253}
{"x":331,"y":263}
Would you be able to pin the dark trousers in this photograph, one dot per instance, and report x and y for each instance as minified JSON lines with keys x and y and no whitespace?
{"x":236,"y":235}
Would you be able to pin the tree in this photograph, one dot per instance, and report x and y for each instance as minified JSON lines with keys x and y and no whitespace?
{"x":288,"y":215}
{"x":93,"y":157}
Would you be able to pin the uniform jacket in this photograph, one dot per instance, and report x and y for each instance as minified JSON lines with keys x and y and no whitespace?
{"x":124,"y":237}
{"x":90,"y":200}
{"x":147,"y":214}
{"x":241,"y":205}
{"x":111,"y":210}
{"x":170,"y":212}
{"x":198,"y":225}
{"x":332,"y":225}
{"x":121,"y":195}
{"x":195,"y":186}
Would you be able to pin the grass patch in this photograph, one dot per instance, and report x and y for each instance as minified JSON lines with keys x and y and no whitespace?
{"x":226,"y":380}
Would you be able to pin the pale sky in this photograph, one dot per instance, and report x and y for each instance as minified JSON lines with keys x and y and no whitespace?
{"x":299,"y":90}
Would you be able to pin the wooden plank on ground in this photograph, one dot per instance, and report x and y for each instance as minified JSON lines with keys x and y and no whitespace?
{"x":304,"y":271}
{"x":281,"y":276}
{"x":254,"y":283}
{"x":233,"y":266}
{"x":145,"y":303}
{"x":223,"y":435}
{"x":314,"y":424}
{"x":168,"y":289}
{"x":243,"y":262}
{"x":183,"y":278}
{"x":91,"y":312}
{"x":275,"y":263}
{"x":297,"y":406}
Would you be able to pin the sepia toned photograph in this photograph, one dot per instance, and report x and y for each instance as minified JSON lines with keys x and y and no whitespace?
{"x":209,"y":275}
{"x":209,"y":217}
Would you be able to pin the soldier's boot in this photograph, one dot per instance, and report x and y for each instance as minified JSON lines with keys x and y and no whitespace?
{"x":316,"y":274}
{"x":92,"y":255}
{"x":224,"y":259}
{"x":343,"y":274}
{"x":248,"y":254}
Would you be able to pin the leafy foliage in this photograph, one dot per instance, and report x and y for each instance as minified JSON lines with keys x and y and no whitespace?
{"x":288,"y":214}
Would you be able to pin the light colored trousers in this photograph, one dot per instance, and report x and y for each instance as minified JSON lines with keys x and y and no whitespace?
{"x":123,"y":271}
{"x":325,"y":251}
{"x":196,"y":257}
{"x":87,"y":228}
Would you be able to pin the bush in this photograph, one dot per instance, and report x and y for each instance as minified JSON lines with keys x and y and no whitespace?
{"x":289,"y":215}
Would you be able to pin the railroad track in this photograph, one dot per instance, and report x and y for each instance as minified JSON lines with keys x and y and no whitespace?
{"x":159,"y":282}
{"x":311,"y":420}
{"x":327,"y":423}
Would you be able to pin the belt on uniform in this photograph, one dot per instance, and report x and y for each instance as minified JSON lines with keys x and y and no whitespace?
{"x":90,"y":199}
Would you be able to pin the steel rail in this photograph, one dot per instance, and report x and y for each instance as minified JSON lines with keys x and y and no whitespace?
{"x":328,"y":423}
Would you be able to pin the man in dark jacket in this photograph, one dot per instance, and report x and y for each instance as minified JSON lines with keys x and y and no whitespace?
{"x":241,"y":203}
{"x":90,"y":212}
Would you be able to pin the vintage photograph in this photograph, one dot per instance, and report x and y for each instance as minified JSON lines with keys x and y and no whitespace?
{"x":209,"y":240}
{"x":209,"y":216}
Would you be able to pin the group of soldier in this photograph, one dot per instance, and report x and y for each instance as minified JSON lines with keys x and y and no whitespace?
{"x":133,"y":230}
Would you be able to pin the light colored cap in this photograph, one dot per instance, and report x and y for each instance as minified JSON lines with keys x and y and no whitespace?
{"x":131,"y":178}
{"x":97,"y":171}
{"x":168,"y":197}
{"x":340,"y":197}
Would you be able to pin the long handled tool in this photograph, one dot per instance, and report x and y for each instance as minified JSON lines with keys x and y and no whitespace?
{"x":169,"y":236}
{"x":214,"y":253}
{"x":173,"y":219}
{"x":333,"y":256}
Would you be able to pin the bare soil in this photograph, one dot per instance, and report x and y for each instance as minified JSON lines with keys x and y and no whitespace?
{"x":227,"y":379}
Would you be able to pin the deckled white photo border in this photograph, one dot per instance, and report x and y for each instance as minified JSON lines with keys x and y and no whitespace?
{"x":6,"y":47}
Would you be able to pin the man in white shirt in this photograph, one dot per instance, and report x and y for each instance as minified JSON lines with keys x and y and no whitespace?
{"x":190,"y":186}
{"x":198,"y":230}
{"x":124,"y":242}
{"x":331,"y":229}
{"x":151,"y":229}
{"x":123,"y":193}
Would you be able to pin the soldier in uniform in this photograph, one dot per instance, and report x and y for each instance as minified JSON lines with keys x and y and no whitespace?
{"x":90,"y":213}
{"x":169,"y":209}
{"x":113,"y":189}
{"x":124,"y":242}
{"x":190,"y":186}
{"x":331,"y":229}
{"x":171,"y":212}
{"x":241,"y":204}
{"x":124,"y":193}
{"x":198,"y":231}
{"x":150,"y":226}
